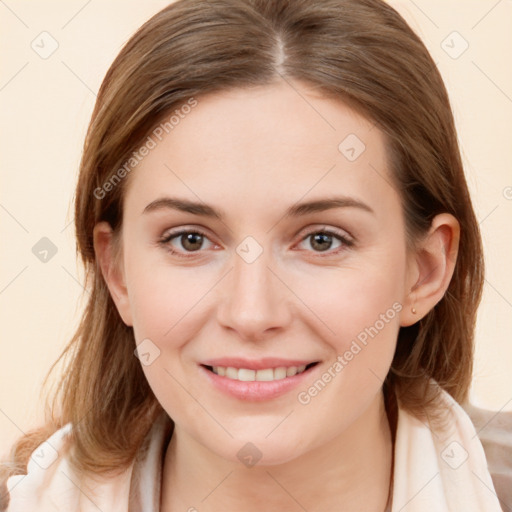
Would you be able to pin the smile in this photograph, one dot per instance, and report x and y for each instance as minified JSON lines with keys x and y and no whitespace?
{"x":257,"y":379}
{"x":263,"y":375}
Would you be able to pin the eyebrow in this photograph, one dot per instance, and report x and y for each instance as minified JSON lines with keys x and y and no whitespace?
{"x":296,"y":210}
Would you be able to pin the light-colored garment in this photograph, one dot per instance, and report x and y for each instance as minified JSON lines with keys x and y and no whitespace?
{"x":494,"y":428}
{"x":435,"y":470}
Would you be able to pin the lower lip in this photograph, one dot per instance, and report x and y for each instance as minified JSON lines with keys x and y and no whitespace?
{"x":256,"y":391}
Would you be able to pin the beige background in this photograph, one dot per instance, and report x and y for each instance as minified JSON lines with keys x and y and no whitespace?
{"x":46,"y":105}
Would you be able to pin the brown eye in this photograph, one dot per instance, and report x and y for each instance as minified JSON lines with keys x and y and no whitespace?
{"x":322,"y":242}
{"x":191,"y":241}
{"x":184,"y":241}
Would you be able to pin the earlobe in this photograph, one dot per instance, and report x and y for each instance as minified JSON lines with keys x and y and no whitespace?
{"x":434,"y":264}
{"x":111,"y":269}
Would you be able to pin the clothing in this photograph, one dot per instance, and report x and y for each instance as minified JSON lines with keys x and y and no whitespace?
{"x":495,"y":432}
{"x":436,"y":469}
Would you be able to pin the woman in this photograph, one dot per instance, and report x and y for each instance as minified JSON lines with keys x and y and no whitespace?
{"x":284,"y":269}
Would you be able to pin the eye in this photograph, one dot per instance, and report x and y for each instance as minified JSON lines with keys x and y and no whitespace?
{"x":184,"y":241}
{"x":323,"y":240}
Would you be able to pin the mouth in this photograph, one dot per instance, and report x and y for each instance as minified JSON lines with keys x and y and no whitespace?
{"x":260,"y":375}
{"x":257,"y":380}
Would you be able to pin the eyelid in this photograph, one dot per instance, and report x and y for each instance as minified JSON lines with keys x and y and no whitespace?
{"x":166,"y":238}
{"x":172,"y":233}
{"x":323,"y":228}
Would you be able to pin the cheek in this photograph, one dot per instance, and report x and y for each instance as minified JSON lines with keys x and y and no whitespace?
{"x":162,"y":297}
{"x":360,"y":309}
{"x":349,"y":301}
{"x":165,"y":303}
{"x":362,"y":313}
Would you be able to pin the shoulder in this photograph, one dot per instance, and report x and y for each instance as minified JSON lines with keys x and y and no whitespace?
{"x":494,"y":429}
{"x":442,"y":454}
{"x":51,"y":484}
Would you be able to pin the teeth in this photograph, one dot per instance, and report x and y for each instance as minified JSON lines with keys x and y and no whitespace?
{"x":267,"y":374}
{"x":290,"y":372}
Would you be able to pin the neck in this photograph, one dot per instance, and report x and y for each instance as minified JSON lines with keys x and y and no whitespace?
{"x":350,"y":472}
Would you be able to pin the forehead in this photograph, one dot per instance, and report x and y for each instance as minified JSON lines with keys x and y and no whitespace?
{"x":261,"y":144}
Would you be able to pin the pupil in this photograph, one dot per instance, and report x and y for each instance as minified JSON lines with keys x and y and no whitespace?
{"x":321,"y":238}
{"x":192,"y":238}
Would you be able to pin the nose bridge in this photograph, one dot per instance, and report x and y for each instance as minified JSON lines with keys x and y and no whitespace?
{"x":254,"y":301}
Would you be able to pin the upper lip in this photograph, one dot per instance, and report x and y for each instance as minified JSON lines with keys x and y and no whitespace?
{"x":257,"y":364}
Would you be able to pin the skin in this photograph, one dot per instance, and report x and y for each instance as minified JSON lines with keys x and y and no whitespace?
{"x":252,"y":153}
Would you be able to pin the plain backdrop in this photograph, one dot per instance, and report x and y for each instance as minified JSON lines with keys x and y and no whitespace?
{"x":54,"y":57}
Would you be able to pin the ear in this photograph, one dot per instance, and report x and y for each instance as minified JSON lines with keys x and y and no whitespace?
{"x":431,"y":268}
{"x":111,"y":269}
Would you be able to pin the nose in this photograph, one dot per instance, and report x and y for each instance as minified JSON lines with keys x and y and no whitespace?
{"x":254,"y":299}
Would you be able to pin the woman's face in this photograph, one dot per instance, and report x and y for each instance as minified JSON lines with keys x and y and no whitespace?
{"x":304,"y":261}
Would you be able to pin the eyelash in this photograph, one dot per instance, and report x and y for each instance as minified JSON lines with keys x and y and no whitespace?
{"x":346,"y":242}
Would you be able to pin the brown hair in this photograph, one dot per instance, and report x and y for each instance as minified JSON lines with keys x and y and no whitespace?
{"x":359,"y":51}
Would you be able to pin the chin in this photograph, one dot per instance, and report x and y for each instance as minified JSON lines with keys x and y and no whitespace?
{"x":256,"y":450}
